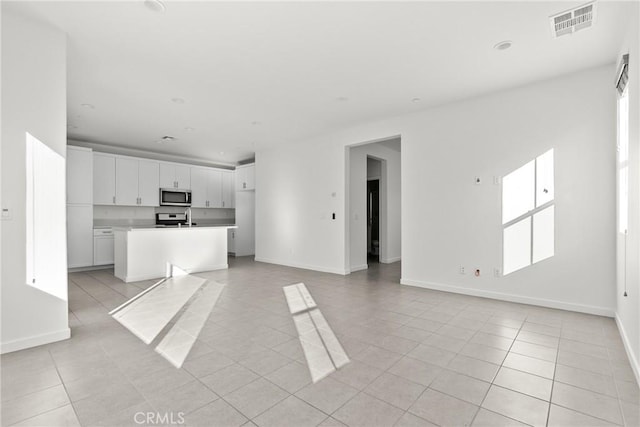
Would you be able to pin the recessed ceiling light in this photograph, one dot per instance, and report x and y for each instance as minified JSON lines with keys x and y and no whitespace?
{"x":342,"y":99}
{"x":87,"y":106}
{"x":189,"y":129}
{"x":503,"y":45}
{"x":178,"y":100}
{"x":415,"y":100}
{"x":155,"y":5}
{"x":222,"y":153}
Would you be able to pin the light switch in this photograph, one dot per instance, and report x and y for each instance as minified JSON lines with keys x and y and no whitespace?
{"x":6,"y":214}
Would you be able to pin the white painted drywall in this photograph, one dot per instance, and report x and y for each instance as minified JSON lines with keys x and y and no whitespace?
{"x":447,"y":220}
{"x":389,"y":203}
{"x":628,"y":308}
{"x":303,"y":185}
{"x":34,"y":101}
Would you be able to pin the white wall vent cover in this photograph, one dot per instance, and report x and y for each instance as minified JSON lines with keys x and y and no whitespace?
{"x":573,"y":20}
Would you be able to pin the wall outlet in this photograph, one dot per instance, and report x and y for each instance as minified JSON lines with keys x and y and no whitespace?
{"x":496,"y":272}
{"x":496,"y":180}
{"x":461,"y":270}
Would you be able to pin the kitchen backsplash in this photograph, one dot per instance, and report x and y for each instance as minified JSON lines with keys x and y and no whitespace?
{"x":134,"y":215}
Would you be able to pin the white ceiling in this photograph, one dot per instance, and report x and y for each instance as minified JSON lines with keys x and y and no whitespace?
{"x":256,"y":74}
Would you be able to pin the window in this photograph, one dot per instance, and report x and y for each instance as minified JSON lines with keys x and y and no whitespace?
{"x":528,"y":214}
{"x":46,"y":254}
{"x":623,"y":162}
{"x":622,"y":87}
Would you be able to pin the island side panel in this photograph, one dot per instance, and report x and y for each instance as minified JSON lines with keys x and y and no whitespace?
{"x":120,"y":254}
{"x":192,"y":249}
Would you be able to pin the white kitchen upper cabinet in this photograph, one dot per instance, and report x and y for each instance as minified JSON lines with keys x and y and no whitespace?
{"x":126,"y":181}
{"x":137,"y":182}
{"x":199,"y":182}
{"x":79,"y":235}
{"x":79,"y":176}
{"x":228,"y":189}
{"x":245,"y":177}
{"x":148,"y":183}
{"x":214,"y":188}
{"x":167,"y":175}
{"x":175,"y":176}
{"x":206,"y":187}
{"x":104,"y":179}
{"x":183,"y":177}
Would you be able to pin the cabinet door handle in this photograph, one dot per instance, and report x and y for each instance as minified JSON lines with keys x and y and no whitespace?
{"x":244,"y":185}
{"x":223,"y":203}
{"x":114,"y":200}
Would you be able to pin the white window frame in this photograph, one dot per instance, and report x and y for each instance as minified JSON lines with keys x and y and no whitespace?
{"x":531,"y":214}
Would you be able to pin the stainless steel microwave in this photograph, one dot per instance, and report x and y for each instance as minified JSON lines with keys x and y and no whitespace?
{"x":175,"y":197}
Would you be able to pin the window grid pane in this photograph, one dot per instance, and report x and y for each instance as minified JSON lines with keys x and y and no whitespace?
{"x":517,"y":246}
{"x":543,"y":235}
{"x":518,"y":192}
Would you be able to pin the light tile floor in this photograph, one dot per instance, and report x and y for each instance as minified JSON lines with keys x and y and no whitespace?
{"x":418,"y":357}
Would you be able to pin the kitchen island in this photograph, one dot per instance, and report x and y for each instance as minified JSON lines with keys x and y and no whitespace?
{"x":142,"y":253}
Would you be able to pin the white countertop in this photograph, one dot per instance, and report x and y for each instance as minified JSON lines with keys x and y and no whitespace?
{"x":153,"y":227}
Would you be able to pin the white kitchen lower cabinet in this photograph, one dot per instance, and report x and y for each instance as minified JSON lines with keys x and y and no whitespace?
{"x":102,"y":246}
{"x":245,"y":242}
{"x":231,"y":241}
{"x":79,"y":236}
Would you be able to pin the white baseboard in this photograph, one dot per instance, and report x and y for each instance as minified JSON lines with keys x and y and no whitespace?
{"x":359,"y":267}
{"x":581,"y":308}
{"x":303,"y":266}
{"x":89,"y":268}
{"x":141,"y":277}
{"x":633,"y":357}
{"x":390,"y":260}
{"x":34,"y":341}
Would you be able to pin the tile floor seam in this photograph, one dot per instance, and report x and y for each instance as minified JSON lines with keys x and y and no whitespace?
{"x":496,"y":374}
{"x":257,"y":415}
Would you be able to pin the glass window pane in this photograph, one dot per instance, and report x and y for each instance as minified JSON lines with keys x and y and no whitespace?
{"x":623,"y":200}
{"x":623,"y":127}
{"x":544,"y":178}
{"x":517,"y":192}
{"x":543,"y":234}
{"x":517,"y":246}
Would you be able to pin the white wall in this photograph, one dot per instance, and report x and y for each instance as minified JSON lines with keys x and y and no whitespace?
{"x":447,"y":220}
{"x":628,"y":308}
{"x":389,"y":203}
{"x":34,"y":101}
{"x":298,"y":187}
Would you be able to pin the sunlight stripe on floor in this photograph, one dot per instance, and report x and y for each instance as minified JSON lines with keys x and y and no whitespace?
{"x":321,"y":347}
{"x":177,"y":343}
{"x":146,"y":316}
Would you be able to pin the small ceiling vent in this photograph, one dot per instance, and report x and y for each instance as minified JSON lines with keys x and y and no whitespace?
{"x":573,"y":20}
{"x":166,"y":139}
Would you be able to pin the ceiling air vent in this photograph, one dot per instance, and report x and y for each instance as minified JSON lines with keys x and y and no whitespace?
{"x":573,"y":20}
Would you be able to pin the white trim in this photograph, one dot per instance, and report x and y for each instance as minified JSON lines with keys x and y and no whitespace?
{"x":140,"y":277}
{"x":34,"y":341}
{"x":90,"y":268}
{"x":303,"y":266}
{"x":590,"y":309}
{"x":359,"y":267}
{"x":390,"y":260}
{"x":633,"y":358}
